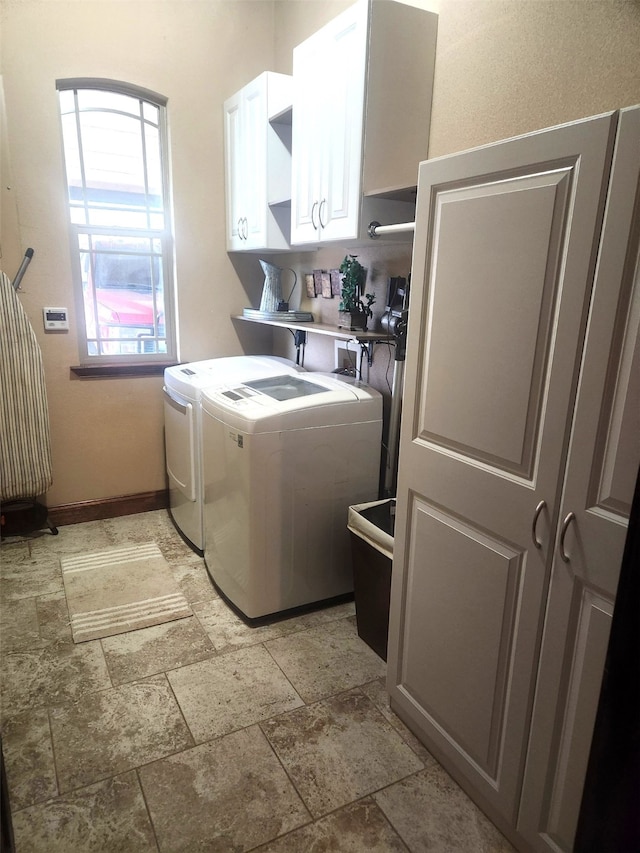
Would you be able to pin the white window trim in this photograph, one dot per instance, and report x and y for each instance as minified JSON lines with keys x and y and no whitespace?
{"x":165,"y":236}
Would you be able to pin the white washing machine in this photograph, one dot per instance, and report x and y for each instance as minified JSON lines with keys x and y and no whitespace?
{"x":183,"y":385}
{"x":284,"y":458}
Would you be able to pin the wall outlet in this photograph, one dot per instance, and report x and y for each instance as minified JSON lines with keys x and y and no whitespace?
{"x":348,"y":358}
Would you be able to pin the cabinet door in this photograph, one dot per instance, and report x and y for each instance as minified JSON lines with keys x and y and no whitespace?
{"x":234,"y":158}
{"x":308,"y":131}
{"x":500,"y":285}
{"x":257,"y":162}
{"x":603,"y":459}
{"x":254,"y":164}
{"x":343,"y":81}
{"x":328,"y":74}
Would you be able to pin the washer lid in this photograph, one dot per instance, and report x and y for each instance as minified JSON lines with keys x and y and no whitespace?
{"x":285,"y":387}
{"x":188,"y":380}
{"x":292,"y":402}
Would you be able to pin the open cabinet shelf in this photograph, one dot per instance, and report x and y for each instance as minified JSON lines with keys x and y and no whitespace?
{"x":320,"y":329}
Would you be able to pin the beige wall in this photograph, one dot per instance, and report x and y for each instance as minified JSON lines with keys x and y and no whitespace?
{"x":296,"y":20}
{"x":506,"y":67}
{"x":503,"y":67}
{"x":107,"y":434}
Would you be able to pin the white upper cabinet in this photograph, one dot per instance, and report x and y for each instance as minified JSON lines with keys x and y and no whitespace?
{"x":362,"y":100}
{"x":258,"y":164}
{"x":329,"y":102}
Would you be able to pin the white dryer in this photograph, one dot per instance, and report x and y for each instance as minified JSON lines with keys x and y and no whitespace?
{"x":183,"y":385}
{"x":284,"y":458}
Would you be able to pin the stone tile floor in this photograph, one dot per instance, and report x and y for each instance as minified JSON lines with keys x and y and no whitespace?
{"x":203,"y":734}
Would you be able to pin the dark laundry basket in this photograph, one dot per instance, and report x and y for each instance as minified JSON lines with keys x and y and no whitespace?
{"x":371,"y":528}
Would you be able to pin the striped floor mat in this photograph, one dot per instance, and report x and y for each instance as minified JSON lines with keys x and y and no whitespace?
{"x":120,"y":589}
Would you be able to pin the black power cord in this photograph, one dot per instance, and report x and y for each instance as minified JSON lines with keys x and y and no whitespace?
{"x":300,"y":340}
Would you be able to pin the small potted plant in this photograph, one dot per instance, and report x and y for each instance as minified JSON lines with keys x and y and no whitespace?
{"x":355,"y":306}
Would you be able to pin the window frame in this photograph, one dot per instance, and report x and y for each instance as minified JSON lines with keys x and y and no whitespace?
{"x":164,"y":235}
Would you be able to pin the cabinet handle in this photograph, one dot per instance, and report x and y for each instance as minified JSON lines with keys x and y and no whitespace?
{"x":534,"y":524}
{"x":313,"y":222}
{"x":563,"y":532}
{"x":240,"y":229}
{"x":322,"y":224}
{"x":246,"y":228}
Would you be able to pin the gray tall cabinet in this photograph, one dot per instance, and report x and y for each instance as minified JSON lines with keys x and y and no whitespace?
{"x":519,"y":449}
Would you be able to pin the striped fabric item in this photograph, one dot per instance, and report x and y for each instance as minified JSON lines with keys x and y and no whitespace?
{"x":25,"y":448}
{"x":127,"y":617}
{"x":120,"y":589}
{"x":111,"y":557}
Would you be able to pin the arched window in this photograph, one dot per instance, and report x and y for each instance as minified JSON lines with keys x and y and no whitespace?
{"x":116,"y":158}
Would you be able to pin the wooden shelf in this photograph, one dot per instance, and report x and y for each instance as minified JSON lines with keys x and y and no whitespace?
{"x":320,"y":329}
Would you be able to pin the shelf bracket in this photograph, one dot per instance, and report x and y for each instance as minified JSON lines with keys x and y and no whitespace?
{"x":367,"y":349}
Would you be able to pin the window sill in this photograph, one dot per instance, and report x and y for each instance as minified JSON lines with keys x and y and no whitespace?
{"x":97,"y":371}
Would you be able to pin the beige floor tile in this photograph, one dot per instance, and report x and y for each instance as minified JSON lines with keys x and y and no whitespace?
{"x":357,"y":828}
{"x":228,"y":632}
{"x":33,"y":576}
{"x":59,"y":673}
{"x":140,"y":526}
{"x":339,"y":750}
{"x":53,"y":617}
{"x":109,"y":817}
{"x":226,"y":693}
{"x":377,"y":692}
{"x":19,"y":627}
{"x":228,"y":795}
{"x":328,"y":614}
{"x":72,"y":539}
{"x":434,"y":815}
{"x":137,"y":654}
{"x":13,"y":550}
{"x":326,"y":660}
{"x":372,"y":786}
{"x":155,"y":526}
{"x":19,"y":557}
{"x":174,"y":549}
{"x":26,"y":744}
{"x":32,"y":623}
{"x":193,"y":580}
{"x":116,"y":730}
